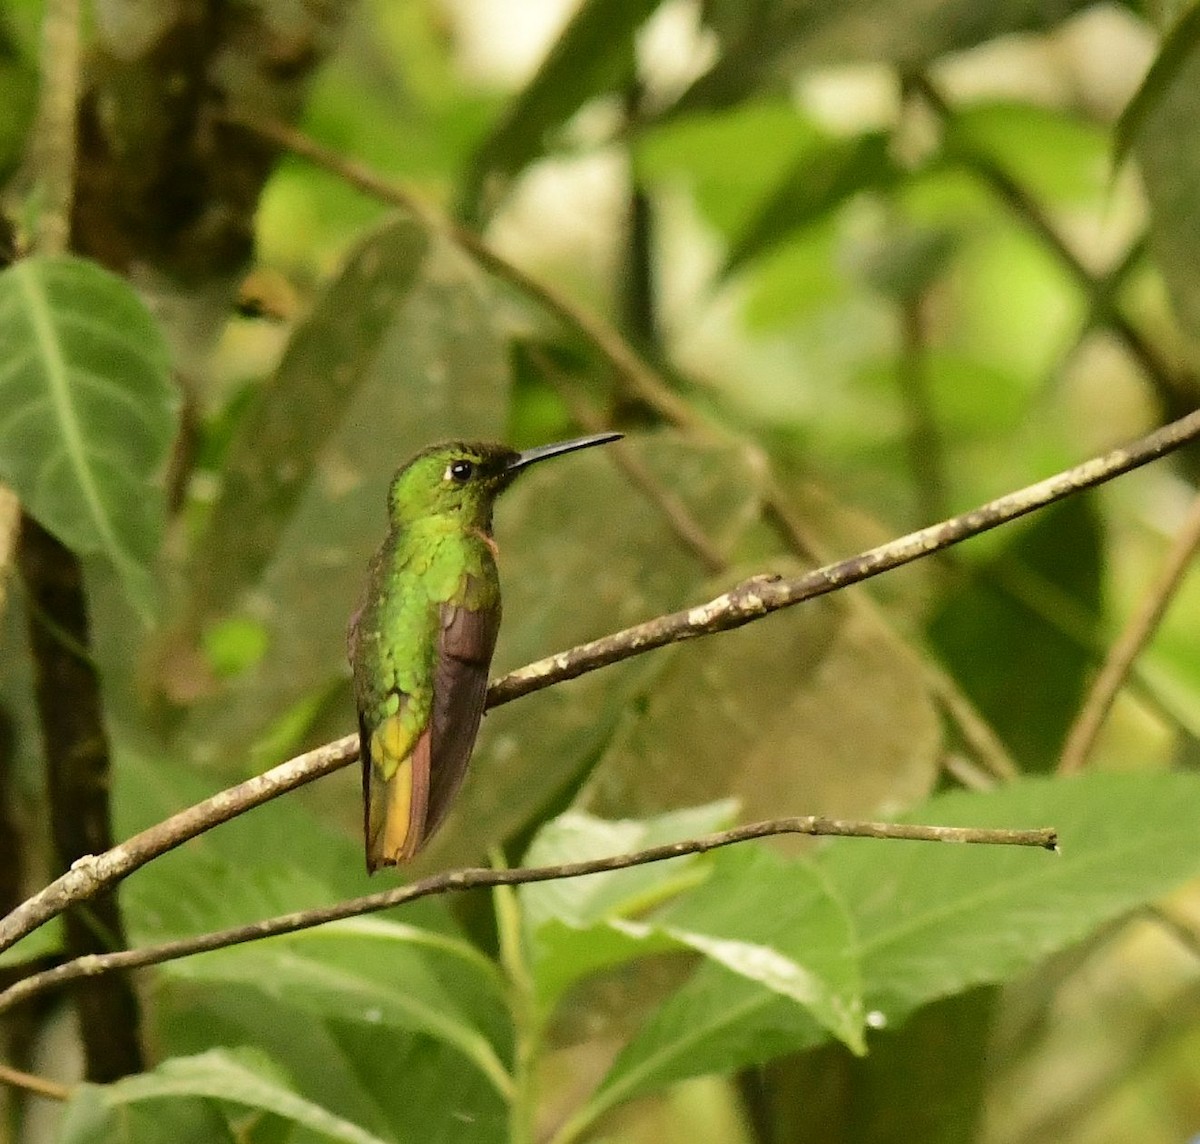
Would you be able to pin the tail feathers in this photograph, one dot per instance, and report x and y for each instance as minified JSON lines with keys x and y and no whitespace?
{"x":396,"y":789}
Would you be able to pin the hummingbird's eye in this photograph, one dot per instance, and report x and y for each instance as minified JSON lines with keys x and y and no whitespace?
{"x":460,"y":471}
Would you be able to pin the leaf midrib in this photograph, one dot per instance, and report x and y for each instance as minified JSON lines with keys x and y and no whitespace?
{"x":55,"y":365}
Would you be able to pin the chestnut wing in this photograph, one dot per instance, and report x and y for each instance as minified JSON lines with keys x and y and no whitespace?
{"x":465,"y":645}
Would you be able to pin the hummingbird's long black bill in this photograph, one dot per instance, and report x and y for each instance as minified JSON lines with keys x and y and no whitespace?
{"x":542,"y":452}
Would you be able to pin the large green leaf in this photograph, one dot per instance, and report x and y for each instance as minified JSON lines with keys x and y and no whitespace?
{"x":88,"y":411}
{"x":408,"y":1089}
{"x":277,"y":449}
{"x":744,"y":920}
{"x":935,"y":920}
{"x":241,"y":1078}
{"x":573,"y":837}
{"x":93,"y":1117}
{"x":575,"y":925}
{"x":791,"y":971}
{"x":375,"y":972}
{"x":820,"y":707}
{"x":404,"y":349}
{"x":417,"y":975}
{"x":1034,"y":608}
{"x":924,"y":921}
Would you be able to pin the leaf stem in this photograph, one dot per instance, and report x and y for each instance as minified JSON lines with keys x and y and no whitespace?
{"x":522,"y":1009}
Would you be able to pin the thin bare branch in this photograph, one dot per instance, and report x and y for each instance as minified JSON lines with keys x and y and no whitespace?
{"x":95,"y":872}
{"x":477,"y":877}
{"x":976,"y":731}
{"x":1129,"y":645}
{"x":926,"y":462}
{"x":748,"y":601}
{"x":38,"y":1085}
{"x":677,"y":514}
{"x":966,"y":773}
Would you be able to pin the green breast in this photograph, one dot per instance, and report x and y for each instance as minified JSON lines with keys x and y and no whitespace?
{"x":414,"y":573}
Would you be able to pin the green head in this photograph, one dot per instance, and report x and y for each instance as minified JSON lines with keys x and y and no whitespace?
{"x":462,"y":480}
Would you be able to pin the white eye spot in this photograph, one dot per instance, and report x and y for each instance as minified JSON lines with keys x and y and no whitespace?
{"x":458,"y":472}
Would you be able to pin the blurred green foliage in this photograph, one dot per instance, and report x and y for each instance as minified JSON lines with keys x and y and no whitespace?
{"x":896,"y":260}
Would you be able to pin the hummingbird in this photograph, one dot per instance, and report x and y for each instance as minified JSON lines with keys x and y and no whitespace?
{"x":421,"y":641}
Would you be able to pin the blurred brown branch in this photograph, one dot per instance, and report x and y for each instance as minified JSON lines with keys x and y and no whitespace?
{"x":38,"y":1085}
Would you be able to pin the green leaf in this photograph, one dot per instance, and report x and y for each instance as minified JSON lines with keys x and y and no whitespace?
{"x":277,"y":448}
{"x":373,"y":971}
{"x":782,"y":966}
{"x":1056,"y":156}
{"x":409,"y":1089}
{"x":574,"y":924}
{"x":92,"y":1117}
{"x":923,"y":921}
{"x":89,"y":411}
{"x":1174,"y":53}
{"x":769,"y":138}
{"x":817,"y":706}
{"x":242,"y":1077}
{"x":1168,"y":150}
{"x":1034,"y":606}
{"x":576,"y":837}
{"x":935,"y":920}
{"x":279,"y":860}
{"x":736,"y":920}
{"x":820,"y":180}
{"x":593,"y":54}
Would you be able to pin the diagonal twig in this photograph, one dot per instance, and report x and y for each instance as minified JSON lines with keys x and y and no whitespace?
{"x":677,"y":514}
{"x":1129,"y":645}
{"x":38,"y":1085}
